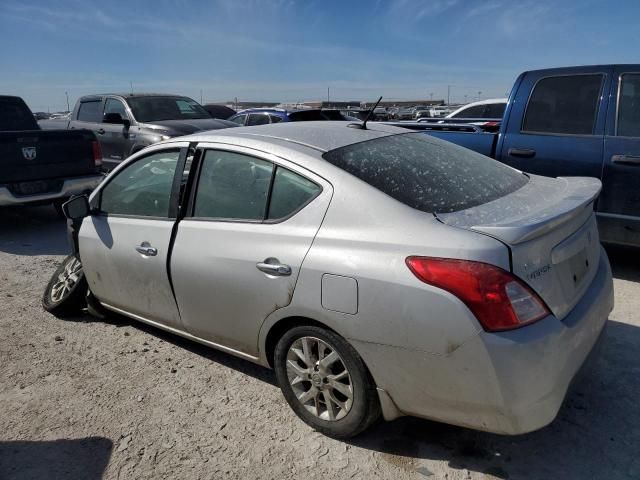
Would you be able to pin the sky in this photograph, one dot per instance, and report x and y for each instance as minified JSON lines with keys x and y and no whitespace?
{"x":294,"y":50}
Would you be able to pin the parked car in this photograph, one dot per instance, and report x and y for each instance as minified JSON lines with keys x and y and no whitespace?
{"x":126,"y":123}
{"x":264,"y":116}
{"x":489,"y":110}
{"x":39,"y":167}
{"x":405,"y":113}
{"x":219,"y":111}
{"x":375,"y":269}
{"x":575,"y":121}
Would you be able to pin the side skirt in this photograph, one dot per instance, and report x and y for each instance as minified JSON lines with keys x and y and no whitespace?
{"x":184,"y":334}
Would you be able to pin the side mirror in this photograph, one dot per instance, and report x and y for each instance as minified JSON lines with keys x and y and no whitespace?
{"x":76,"y":208}
{"x":113,"y":118}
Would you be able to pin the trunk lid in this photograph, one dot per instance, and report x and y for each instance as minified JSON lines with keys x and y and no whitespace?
{"x":550,"y":229}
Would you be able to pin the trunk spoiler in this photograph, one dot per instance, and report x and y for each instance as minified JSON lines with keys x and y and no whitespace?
{"x":534,"y":210}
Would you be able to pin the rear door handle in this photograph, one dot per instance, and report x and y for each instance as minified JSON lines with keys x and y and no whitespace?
{"x":272,"y":266}
{"x":522,"y":152}
{"x":626,"y":159}
{"x":101,"y":131}
{"x":146,"y":249}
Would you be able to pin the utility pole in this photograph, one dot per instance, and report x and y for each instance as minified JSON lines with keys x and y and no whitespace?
{"x":200,"y":96}
{"x":328,"y":98}
{"x":236,"y":100}
{"x":431,"y":96}
{"x":448,"y":94}
{"x":131,"y":83}
{"x":479,"y":93}
{"x":67,"y":95}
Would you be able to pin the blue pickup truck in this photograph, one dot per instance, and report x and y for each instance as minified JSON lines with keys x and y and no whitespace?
{"x":574,"y":121}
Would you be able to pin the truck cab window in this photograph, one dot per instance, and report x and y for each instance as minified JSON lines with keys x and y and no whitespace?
{"x":564,"y":105}
{"x":629,"y":106}
{"x":90,"y":111}
{"x":115,"y":106}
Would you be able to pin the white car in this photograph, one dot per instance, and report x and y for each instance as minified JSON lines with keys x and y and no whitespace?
{"x":491,"y":109}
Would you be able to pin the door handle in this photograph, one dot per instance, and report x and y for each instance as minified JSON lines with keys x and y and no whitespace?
{"x":147,"y":250}
{"x":101,"y":131}
{"x":522,"y":152}
{"x":272,"y":266}
{"x":626,"y":159}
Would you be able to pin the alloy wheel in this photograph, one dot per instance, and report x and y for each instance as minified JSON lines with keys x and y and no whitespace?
{"x":319,"y":378}
{"x":66,"y":280}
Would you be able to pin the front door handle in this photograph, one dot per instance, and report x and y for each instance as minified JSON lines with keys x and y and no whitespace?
{"x":101,"y":131}
{"x":146,"y":249}
{"x":272,"y":266}
{"x":522,"y":152}
{"x":626,"y":160}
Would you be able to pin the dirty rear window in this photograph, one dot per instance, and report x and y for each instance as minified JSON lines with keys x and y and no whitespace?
{"x":426,"y":173}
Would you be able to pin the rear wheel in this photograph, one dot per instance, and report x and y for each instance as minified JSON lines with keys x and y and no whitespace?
{"x":66,"y":292}
{"x":325,"y":382}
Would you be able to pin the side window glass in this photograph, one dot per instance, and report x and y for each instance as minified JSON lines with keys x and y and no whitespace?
{"x":142,"y":188}
{"x":232,"y":186}
{"x":90,"y":111}
{"x":290,"y":193}
{"x":566,"y":105}
{"x":239,"y":119}
{"x":629,"y":106}
{"x":115,"y":106}
{"x":258,"y":119}
{"x":496,"y":110}
{"x":471,"y":112}
{"x":275,"y":119}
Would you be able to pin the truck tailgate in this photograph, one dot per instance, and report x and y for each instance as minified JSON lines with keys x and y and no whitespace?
{"x":45,"y":154}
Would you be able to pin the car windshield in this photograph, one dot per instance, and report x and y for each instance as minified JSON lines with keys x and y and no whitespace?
{"x":426,"y":173}
{"x":157,"y":108}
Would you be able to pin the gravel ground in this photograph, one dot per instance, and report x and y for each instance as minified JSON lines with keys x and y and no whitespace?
{"x":93,"y":399}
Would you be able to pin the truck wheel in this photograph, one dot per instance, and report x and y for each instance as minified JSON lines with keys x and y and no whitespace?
{"x":66,"y":292}
{"x":325,"y":382}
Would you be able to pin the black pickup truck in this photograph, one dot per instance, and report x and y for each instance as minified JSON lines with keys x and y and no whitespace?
{"x":40,"y":167}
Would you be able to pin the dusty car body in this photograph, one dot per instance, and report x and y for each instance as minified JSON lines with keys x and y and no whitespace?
{"x":471,"y":293}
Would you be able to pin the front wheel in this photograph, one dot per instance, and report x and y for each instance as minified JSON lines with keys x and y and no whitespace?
{"x":66,"y":292}
{"x":325,"y":382}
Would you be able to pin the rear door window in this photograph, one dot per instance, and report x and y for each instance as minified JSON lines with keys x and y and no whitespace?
{"x":232,"y":186}
{"x":472,"y":112}
{"x":90,"y":111}
{"x":495,"y":110}
{"x":426,"y":173}
{"x":629,"y":106}
{"x":290,"y":193}
{"x":239,"y":119}
{"x":564,"y":105}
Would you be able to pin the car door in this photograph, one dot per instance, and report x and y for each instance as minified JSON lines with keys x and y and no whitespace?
{"x":114,"y":138}
{"x":124,"y":245}
{"x":619,"y":203}
{"x":556,"y":123}
{"x":237,"y":253}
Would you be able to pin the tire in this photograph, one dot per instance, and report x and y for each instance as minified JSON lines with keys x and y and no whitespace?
{"x":66,"y":292}
{"x":308,"y":385}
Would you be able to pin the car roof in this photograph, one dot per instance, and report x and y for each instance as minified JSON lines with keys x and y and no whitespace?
{"x":321,"y":136}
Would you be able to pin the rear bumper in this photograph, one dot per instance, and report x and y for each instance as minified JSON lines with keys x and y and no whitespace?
{"x":510,"y":382}
{"x":71,"y":186}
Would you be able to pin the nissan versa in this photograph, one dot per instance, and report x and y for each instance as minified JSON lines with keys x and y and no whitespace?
{"x":378,"y":271}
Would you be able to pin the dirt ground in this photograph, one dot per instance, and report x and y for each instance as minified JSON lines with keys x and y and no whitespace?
{"x":92,"y":399}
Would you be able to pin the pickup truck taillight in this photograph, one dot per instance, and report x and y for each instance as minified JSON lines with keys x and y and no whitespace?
{"x":97,"y":153}
{"x":498,"y":299}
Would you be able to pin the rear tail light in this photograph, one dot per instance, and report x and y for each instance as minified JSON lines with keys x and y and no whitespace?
{"x":498,"y":299}
{"x":97,"y":153}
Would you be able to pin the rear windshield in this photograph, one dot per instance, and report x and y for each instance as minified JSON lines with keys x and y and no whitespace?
{"x":156,"y":109}
{"x":426,"y":173}
{"x":14,"y":115}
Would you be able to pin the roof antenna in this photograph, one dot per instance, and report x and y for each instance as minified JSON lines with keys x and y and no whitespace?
{"x":363,"y":125}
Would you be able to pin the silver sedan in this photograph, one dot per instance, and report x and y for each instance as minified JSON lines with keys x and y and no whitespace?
{"x":379,"y":272}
